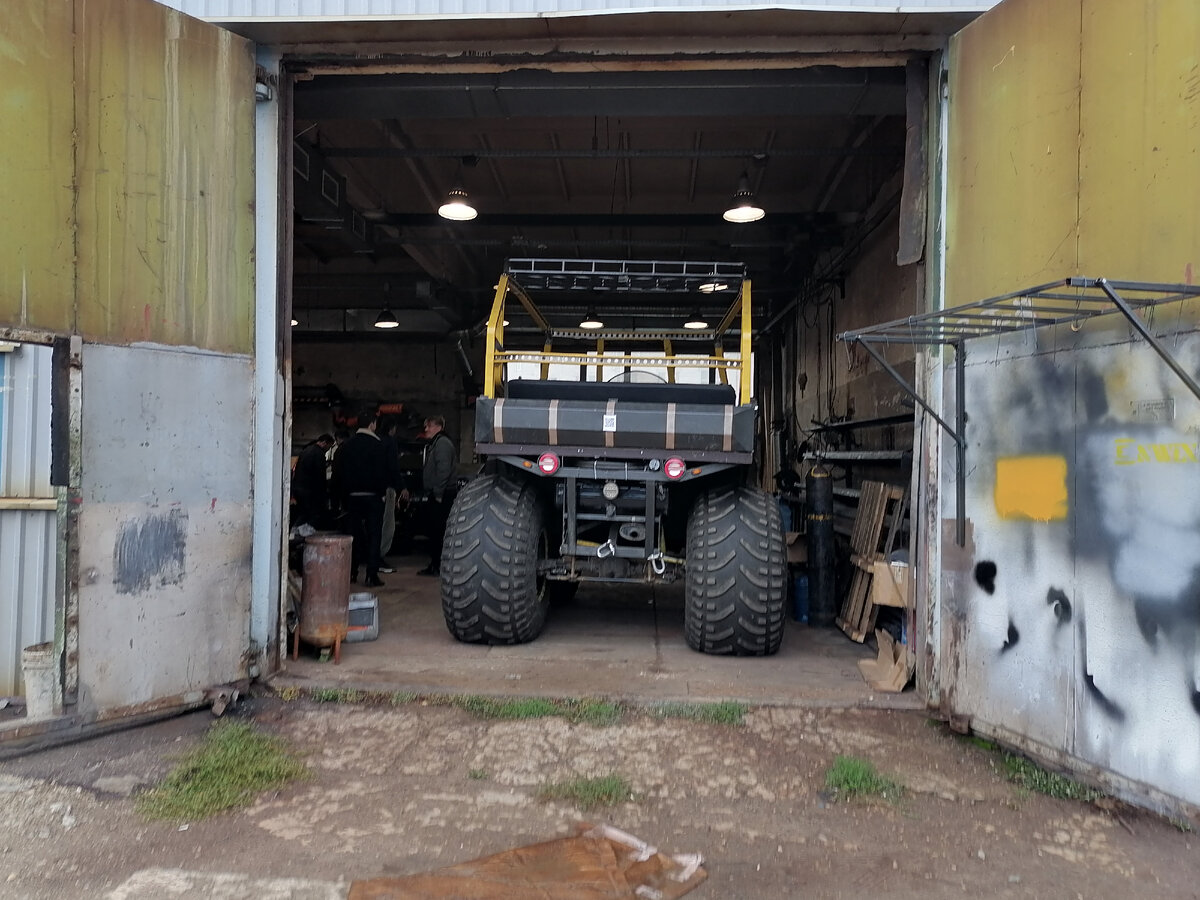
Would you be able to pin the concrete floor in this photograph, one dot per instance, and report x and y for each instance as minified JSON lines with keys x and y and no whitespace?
{"x":612,"y":641}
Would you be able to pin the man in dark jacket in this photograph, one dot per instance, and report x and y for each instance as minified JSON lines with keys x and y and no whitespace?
{"x":363,"y":471}
{"x":310,"y":487}
{"x":439,"y":481}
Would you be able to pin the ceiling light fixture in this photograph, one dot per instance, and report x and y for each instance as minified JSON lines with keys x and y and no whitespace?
{"x":696,"y":322}
{"x":457,"y":207}
{"x":743,"y":208}
{"x":590,"y":321}
{"x":387,"y":319}
{"x":295,"y":321}
{"x":711,"y":287}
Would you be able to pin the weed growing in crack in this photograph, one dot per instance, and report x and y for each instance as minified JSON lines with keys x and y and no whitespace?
{"x":1029,"y":776}
{"x":477,"y":774}
{"x":231,"y":766}
{"x":726,"y":713}
{"x":853,"y":778}
{"x":589,"y":793}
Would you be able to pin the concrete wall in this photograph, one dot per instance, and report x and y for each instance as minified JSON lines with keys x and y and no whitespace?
{"x":1071,"y":620}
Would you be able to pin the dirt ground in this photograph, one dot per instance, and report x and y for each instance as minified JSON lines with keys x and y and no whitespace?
{"x":404,"y":789}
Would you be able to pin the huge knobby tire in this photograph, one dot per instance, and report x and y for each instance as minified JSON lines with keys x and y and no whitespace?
{"x":491,"y":593}
{"x":736,"y":573}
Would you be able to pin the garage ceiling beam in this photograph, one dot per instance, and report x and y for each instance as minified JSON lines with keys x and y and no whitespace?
{"x":617,"y":153}
{"x":816,"y":91}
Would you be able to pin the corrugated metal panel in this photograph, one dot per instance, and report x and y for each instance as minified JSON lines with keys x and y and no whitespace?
{"x":166,"y":178}
{"x":28,"y":537}
{"x":285,"y":10}
{"x":36,"y":166}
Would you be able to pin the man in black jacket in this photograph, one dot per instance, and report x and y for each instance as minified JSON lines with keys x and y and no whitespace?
{"x":309,"y":486}
{"x":362,"y":473}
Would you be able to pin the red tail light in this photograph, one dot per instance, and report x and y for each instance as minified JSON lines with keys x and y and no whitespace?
{"x":548,"y":463}
{"x":674,"y":468}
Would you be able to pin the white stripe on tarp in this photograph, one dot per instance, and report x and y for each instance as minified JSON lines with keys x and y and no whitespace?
{"x":498,"y":423}
{"x":670,"y":426}
{"x":553,"y":423}
{"x":728,"y":429}
{"x":610,"y":436}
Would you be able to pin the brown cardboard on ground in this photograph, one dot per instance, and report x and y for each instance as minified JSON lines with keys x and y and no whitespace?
{"x":890,"y":584}
{"x":892,"y":670}
{"x":599,"y":863}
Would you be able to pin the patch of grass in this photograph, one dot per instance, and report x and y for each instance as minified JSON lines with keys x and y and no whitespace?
{"x":477,"y":774}
{"x":1029,"y":776}
{"x":401,"y":698}
{"x":588,"y":711}
{"x":1181,"y":825}
{"x":725,"y":713}
{"x":854,"y":778}
{"x":589,"y":793}
{"x":231,"y":766}
{"x":336,"y":695}
{"x":289,"y":694}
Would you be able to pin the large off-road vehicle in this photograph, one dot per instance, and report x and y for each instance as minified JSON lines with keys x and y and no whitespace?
{"x":636,"y":467}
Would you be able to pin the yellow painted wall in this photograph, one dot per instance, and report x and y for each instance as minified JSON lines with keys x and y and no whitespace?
{"x":36,"y":169}
{"x":1074,"y":145}
{"x":163,"y":171}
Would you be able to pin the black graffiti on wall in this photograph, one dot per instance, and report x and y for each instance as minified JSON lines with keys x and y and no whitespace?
{"x":150,"y":551}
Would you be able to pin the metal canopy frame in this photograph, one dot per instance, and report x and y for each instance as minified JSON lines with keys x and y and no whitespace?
{"x":1064,"y":302}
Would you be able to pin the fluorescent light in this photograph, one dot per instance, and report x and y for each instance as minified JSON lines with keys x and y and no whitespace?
{"x":710,"y":287}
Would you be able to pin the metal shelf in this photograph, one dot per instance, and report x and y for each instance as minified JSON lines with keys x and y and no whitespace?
{"x":1060,"y":302}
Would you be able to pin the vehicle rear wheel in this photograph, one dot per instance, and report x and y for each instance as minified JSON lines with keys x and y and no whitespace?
{"x":491,"y":592}
{"x":736,"y":573}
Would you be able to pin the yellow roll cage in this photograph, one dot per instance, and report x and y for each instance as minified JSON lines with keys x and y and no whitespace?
{"x":614,"y":274}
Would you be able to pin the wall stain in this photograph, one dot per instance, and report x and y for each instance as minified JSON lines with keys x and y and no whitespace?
{"x":150,"y":551}
{"x":1013,"y":637}
{"x":985,"y":575}
{"x":1062,"y":606}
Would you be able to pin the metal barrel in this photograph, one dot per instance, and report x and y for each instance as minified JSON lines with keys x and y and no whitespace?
{"x":822,"y":599}
{"x":325,"y":596}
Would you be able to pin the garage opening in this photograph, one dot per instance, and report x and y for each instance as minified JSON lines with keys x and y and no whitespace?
{"x":631,"y":162}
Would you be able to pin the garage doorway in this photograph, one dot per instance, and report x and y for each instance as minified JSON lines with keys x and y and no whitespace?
{"x":620,"y":160}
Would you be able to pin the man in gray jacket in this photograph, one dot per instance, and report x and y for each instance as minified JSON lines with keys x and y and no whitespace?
{"x":439,"y":482}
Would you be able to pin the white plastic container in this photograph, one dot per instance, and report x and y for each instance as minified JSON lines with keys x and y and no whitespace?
{"x":38,"y":666}
{"x":363,"y":618}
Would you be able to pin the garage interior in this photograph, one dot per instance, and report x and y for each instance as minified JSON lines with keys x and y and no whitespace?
{"x":633,"y":159}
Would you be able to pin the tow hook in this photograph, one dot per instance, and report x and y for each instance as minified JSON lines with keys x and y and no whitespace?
{"x":657,"y":563}
{"x":608,"y":548}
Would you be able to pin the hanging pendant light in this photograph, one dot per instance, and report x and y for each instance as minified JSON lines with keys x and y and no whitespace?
{"x":387,"y":319}
{"x":696,"y":322}
{"x":743,"y":208}
{"x":457,"y":207}
{"x":590,"y":321}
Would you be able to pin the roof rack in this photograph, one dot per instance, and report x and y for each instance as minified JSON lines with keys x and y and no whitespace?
{"x":625,"y":276}
{"x":1068,"y":301}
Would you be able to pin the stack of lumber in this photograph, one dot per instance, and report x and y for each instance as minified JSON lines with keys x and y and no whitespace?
{"x":881,"y":511}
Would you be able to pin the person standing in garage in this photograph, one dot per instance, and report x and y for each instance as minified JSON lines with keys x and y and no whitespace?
{"x":438,"y":481}
{"x":310,"y":485}
{"x":362,"y":473}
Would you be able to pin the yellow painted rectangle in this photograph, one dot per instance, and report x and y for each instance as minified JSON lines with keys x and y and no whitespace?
{"x":165,"y":162}
{"x":1031,"y":487}
{"x":36,"y":166}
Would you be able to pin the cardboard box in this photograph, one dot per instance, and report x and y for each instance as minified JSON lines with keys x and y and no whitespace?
{"x":893,"y":668}
{"x":891,"y":584}
{"x":797,"y":548}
